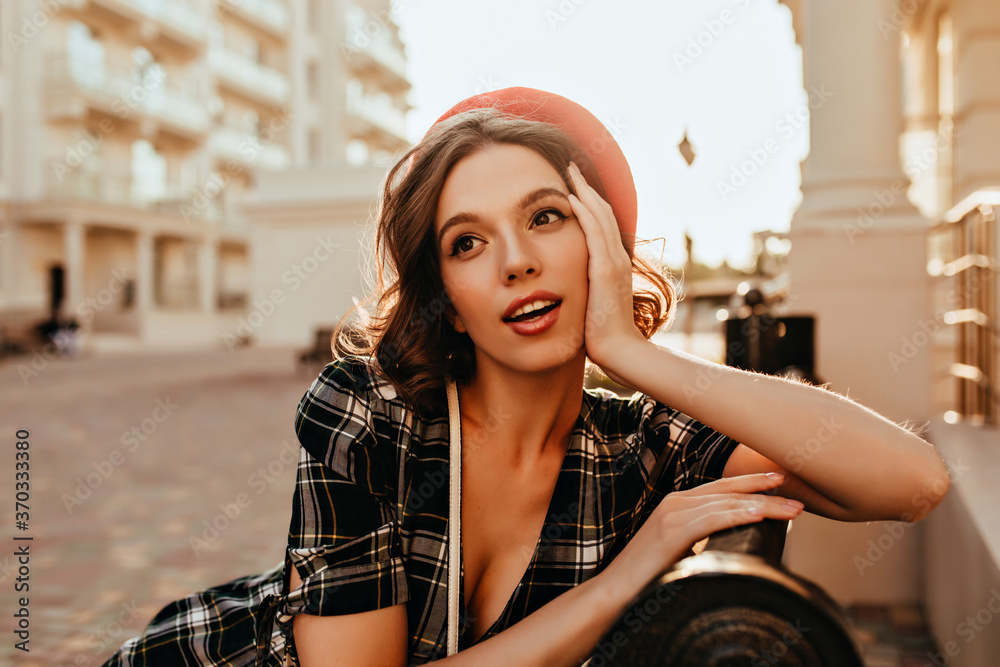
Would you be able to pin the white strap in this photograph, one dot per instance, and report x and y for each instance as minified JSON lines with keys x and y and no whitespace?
{"x":454,"y":516}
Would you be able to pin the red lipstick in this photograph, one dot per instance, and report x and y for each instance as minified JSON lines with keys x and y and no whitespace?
{"x":547,"y":314}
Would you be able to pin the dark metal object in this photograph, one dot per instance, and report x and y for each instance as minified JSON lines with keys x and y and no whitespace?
{"x":765,"y":540}
{"x":771,"y":344}
{"x":732,"y":604}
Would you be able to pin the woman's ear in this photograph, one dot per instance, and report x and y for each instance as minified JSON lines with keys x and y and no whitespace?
{"x":453,"y":319}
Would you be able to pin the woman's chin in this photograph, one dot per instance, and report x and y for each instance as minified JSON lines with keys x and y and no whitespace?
{"x":539,"y":361}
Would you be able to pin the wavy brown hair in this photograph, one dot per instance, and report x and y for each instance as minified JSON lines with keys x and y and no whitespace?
{"x":407,"y":332}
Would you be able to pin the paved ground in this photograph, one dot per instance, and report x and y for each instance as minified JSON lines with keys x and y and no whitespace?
{"x":893,"y":635}
{"x":113,"y":532}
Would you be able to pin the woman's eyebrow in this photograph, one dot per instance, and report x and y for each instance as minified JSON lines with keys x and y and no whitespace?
{"x":530,"y":198}
{"x":525,"y":201}
{"x":456,"y":219}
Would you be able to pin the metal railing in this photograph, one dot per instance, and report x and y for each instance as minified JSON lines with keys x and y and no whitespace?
{"x":379,"y":110}
{"x":963,"y":249}
{"x":182,"y":16}
{"x":263,"y":83}
{"x":121,"y":93}
{"x":246,"y":148}
{"x":271,"y":15}
{"x":92,"y":183}
{"x":374,"y":39}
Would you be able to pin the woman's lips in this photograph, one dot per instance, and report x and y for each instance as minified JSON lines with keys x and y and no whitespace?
{"x":536,"y":326}
{"x":537,"y":295}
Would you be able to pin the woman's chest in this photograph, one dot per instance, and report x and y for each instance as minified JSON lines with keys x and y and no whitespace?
{"x":504,"y":512}
{"x":557,"y":511}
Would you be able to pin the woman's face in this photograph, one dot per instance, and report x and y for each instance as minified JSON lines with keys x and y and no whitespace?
{"x":513,"y":259}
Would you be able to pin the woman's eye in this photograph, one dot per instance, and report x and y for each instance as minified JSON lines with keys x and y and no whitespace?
{"x":463,"y":244}
{"x":548,"y":216}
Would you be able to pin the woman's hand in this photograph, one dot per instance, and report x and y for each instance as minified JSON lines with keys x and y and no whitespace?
{"x":609,"y":326}
{"x":684,"y":517}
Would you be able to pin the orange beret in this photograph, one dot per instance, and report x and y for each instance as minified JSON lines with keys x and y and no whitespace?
{"x":608,"y":171}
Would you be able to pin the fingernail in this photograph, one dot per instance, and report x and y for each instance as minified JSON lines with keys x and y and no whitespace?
{"x":776,"y":476}
{"x":794,"y":504}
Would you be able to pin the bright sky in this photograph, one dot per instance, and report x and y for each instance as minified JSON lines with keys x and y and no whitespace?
{"x":728,"y":71}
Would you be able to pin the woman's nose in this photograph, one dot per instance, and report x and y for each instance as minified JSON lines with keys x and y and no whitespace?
{"x":520,"y":260}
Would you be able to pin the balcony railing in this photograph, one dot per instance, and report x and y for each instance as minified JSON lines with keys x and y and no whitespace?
{"x":243,"y":147}
{"x":251,"y":79}
{"x":269,"y":15}
{"x":376,"y":44}
{"x":964,"y":251}
{"x":87,"y":183}
{"x":120,"y":93}
{"x":182,"y":18}
{"x":377,"y":110}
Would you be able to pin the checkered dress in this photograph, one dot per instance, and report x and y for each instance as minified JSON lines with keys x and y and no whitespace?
{"x":369,"y":522}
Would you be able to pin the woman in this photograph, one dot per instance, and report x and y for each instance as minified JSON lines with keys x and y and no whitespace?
{"x":505,"y":266}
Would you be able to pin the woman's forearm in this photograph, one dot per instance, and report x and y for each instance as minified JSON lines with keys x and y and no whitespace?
{"x":563,"y":632}
{"x":852,"y":455}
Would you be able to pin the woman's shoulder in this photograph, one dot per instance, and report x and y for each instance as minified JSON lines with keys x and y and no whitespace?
{"x":350,"y":407}
{"x":668,"y":442}
{"x":359,"y":382}
{"x":355,"y":375}
{"x":610,"y":412}
{"x":624,"y":422}
{"x":347,"y":397}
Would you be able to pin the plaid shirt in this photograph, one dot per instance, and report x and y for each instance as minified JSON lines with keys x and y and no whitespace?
{"x":369,"y":524}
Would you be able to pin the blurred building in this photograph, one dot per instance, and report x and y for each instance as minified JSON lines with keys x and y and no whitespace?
{"x":134,"y":132}
{"x":894,"y":251}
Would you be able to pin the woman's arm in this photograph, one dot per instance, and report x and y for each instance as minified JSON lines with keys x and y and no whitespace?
{"x":560,"y":633}
{"x":848,"y":462}
{"x":564,"y":631}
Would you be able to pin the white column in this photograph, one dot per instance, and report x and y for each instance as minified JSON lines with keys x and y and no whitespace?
{"x":853,"y":79}
{"x":977,"y":95}
{"x":858,"y":259}
{"x":144,"y":273}
{"x":73,"y":256}
{"x":208,"y":251}
{"x":858,"y":264}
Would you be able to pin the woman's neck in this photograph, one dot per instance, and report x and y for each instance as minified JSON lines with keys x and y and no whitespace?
{"x":528,"y":415}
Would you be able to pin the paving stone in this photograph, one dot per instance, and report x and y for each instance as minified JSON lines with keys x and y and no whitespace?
{"x":126,"y":537}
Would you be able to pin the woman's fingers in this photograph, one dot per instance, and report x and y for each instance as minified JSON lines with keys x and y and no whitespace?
{"x":697,"y":522}
{"x":595,"y":215}
{"x":710,"y":519}
{"x":769,"y":506}
{"x":675,"y":532}
{"x":685,"y":517}
{"x":738,"y":484}
{"x":676,"y":502}
{"x":601,"y":209}
{"x":596,"y":241}
{"x":728,"y":502}
{"x":591,"y":229}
